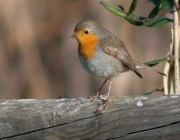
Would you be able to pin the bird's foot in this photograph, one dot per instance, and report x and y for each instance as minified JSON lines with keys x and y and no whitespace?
{"x":104,"y":96}
{"x":103,"y":105}
{"x":94,"y":97}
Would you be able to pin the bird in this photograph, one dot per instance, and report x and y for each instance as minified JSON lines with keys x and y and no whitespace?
{"x":104,"y":55}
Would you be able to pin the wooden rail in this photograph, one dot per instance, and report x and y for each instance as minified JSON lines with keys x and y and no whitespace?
{"x":126,"y":118}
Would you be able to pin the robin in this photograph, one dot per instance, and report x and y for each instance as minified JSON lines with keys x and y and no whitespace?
{"x":103,"y":54}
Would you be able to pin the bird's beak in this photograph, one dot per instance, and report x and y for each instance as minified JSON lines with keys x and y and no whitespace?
{"x":73,"y":36}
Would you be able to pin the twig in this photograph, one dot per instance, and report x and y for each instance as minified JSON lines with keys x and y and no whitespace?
{"x":160,"y":15}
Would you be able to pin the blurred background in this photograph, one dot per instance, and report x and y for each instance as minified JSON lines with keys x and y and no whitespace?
{"x":38,"y":59}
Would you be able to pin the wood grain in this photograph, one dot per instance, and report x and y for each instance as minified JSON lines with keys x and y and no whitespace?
{"x":126,"y":118}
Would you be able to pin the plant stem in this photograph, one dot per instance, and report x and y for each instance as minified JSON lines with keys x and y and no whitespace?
{"x":158,"y":16}
{"x":176,"y":49}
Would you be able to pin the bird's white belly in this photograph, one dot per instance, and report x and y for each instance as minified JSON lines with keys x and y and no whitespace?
{"x":102,"y":65}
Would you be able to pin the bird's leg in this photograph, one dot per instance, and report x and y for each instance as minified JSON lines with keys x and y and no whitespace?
{"x":108,"y":100}
{"x":110,"y":83}
{"x":97,"y":94}
{"x":109,"y":88}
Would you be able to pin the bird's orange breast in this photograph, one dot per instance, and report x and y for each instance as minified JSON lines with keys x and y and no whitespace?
{"x":87,"y":44}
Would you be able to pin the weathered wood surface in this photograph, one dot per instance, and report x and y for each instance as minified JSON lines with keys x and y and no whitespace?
{"x":126,"y":118}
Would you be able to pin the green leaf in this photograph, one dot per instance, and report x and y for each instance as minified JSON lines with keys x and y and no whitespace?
{"x":155,"y":10}
{"x":113,"y":10}
{"x":121,"y":8}
{"x":155,"y":62}
{"x":148,"y":93}
{"x":166,"y":4}
{"x":133,"y":6}
{"x":162,"y":89}
{"x":135,"y":22}
{"x":159,"y":22}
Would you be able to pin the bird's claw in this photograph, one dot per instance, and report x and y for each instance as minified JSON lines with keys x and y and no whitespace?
{"x":94,"y":97}
{"x":103,"y":106}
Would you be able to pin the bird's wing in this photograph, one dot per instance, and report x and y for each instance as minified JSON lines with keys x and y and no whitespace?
{"x":116,"y":48}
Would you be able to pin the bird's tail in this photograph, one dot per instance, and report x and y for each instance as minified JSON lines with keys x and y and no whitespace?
{"x":140,"y":65}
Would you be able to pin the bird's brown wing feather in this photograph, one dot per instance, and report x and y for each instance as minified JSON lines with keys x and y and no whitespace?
{"x":117,"y":49}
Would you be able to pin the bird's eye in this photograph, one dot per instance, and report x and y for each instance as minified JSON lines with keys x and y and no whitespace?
{"x":86,"y":32}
